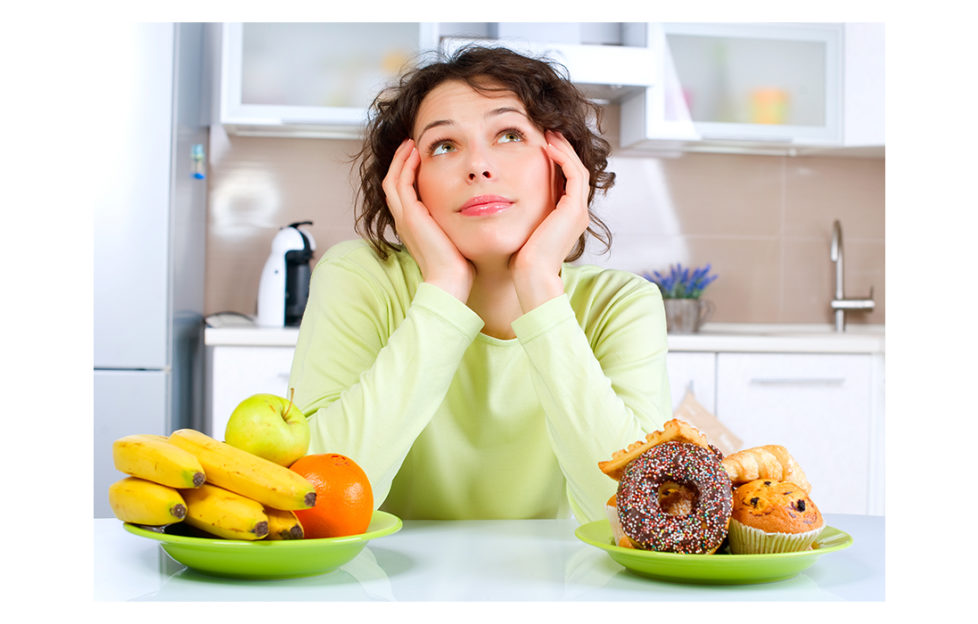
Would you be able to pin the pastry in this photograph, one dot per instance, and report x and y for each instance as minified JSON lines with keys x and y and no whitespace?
{"x":674,"y":430}
{"x":771,"y":516}
{"x":675,"y":497}
{"x":771,"y":461}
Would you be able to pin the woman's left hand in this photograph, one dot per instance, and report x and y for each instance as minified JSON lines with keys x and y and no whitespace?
{"x":536,"y":266}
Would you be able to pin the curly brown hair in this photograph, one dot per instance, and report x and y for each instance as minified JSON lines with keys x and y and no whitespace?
{"x":551,"y":102}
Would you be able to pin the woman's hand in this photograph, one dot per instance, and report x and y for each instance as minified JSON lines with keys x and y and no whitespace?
{"x":440,"y":261}
{"x":536,"y":266}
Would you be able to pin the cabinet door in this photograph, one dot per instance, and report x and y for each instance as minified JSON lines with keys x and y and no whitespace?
{"x":693,"y":371}
{"x":864,"y":87}
{"x":317,"y":77}
{"x":762,"y":81}
{"x":741,"y":84}
{"x":236,"y":373}
{"x":817,"y":406}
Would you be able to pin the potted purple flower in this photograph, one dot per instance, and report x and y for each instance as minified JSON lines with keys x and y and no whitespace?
{"x":681,"y":289}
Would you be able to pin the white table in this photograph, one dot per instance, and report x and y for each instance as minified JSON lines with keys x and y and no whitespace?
{"x":511,"y":560}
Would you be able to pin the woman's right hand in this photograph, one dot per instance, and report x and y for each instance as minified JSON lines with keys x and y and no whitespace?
{"x":439,"y":259}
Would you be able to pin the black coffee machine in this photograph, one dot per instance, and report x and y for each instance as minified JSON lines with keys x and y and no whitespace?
{"x":284,"y":287}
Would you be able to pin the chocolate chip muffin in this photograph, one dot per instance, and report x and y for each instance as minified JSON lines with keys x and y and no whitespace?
{"x":772,"y":516}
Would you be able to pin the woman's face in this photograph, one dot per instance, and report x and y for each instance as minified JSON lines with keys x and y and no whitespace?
{"x":484,"y":176}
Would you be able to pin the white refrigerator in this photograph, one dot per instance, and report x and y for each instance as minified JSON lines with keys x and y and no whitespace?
{"x":149,"y":236}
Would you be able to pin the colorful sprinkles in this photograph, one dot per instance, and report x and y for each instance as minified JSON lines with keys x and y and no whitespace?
{"x":642,"y":519}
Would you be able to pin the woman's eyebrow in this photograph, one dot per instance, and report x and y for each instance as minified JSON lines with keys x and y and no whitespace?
{"x":434,"y":124}
{"x":448,"y":122}
{"x":505,"y":109}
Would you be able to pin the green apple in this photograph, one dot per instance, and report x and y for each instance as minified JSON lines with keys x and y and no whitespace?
{"x":269,"y":426}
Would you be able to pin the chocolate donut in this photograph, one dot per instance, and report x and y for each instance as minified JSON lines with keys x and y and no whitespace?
{"x":702,"y":530}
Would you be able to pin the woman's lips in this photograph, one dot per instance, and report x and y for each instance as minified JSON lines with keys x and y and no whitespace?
{"x":484,"y":205}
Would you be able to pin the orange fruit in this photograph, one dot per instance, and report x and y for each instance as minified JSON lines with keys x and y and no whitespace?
{"x":344,"y":499}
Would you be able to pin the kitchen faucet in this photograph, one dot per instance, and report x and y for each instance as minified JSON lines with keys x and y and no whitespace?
{"x":840,"y":304}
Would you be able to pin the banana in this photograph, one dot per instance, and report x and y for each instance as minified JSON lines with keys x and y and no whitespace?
{"x":144,"y":502}
{"x":155,"y":458}
{"x":283,"y":525}
{"x":225,"y":514}
{"x":244,"y":473}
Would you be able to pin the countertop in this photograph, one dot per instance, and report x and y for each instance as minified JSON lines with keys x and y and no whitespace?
{"x":713,"y":337}
{"x":493,"y":560}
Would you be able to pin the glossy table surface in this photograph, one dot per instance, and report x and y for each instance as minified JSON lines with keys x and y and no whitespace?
{"x":492,"y":560}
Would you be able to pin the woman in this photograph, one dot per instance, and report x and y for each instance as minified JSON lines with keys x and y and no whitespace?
{"x":467,"y":368}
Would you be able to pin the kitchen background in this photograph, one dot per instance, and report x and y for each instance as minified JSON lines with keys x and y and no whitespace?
{"x":232,"y":131}
{"x":762,"y":217}
{"x":764,"y":222}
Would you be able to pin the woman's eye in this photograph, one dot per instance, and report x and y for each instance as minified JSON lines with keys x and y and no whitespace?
{"x":509,"y":136}
{"x":441,"y":147}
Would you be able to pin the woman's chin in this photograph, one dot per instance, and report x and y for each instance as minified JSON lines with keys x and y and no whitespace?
{"x":490,"y":250}
{"x":490,"y":255}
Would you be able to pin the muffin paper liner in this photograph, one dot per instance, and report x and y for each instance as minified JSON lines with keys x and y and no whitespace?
{"x":745,"y":540}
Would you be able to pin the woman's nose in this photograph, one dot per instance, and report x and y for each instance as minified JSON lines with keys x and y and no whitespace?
{"x":479,"y":166}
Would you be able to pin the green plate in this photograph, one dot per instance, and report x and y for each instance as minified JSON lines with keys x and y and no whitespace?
{"x":266,"y":559}
{"x":712,"y":569}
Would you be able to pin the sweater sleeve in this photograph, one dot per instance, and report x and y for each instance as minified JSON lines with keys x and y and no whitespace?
{"x":603,"y":385}
{"x":372,"y":366}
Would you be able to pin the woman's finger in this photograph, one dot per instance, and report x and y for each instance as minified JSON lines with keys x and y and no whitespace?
{"x":563,"y":153}
{"x":390,"y":182}
{"x":576,"y":175}
{"x":408,"y":174}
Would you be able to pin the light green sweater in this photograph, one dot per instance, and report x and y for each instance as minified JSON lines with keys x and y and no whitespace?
{"x":450,"y":423}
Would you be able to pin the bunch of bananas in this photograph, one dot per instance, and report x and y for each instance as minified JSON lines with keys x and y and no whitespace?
{"x":191,"y":477}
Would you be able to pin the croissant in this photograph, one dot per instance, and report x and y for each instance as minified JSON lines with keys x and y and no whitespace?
{"x":771,"y":461}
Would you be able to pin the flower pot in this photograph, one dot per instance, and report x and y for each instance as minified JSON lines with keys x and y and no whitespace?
{"x":685,"y":316}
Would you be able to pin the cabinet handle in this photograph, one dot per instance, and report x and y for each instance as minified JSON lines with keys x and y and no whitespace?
{"x":782,"y":381}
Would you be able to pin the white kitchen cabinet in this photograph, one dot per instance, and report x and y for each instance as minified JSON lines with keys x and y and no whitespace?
{"x":737,"y":87}
{"x":864,"y":89}
{"x":826,"y":409}
{"x":318,"y":79}
{"x":314,"y":79}
{"x":692,"y":371}
{"x":235,"y":372}
{"x":768,"y":88}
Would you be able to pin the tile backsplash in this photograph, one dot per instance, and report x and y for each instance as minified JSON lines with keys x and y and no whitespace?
{"x":763,"y":222}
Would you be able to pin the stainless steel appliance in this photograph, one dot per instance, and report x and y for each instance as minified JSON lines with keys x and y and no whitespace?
{"x":149,"y":243}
